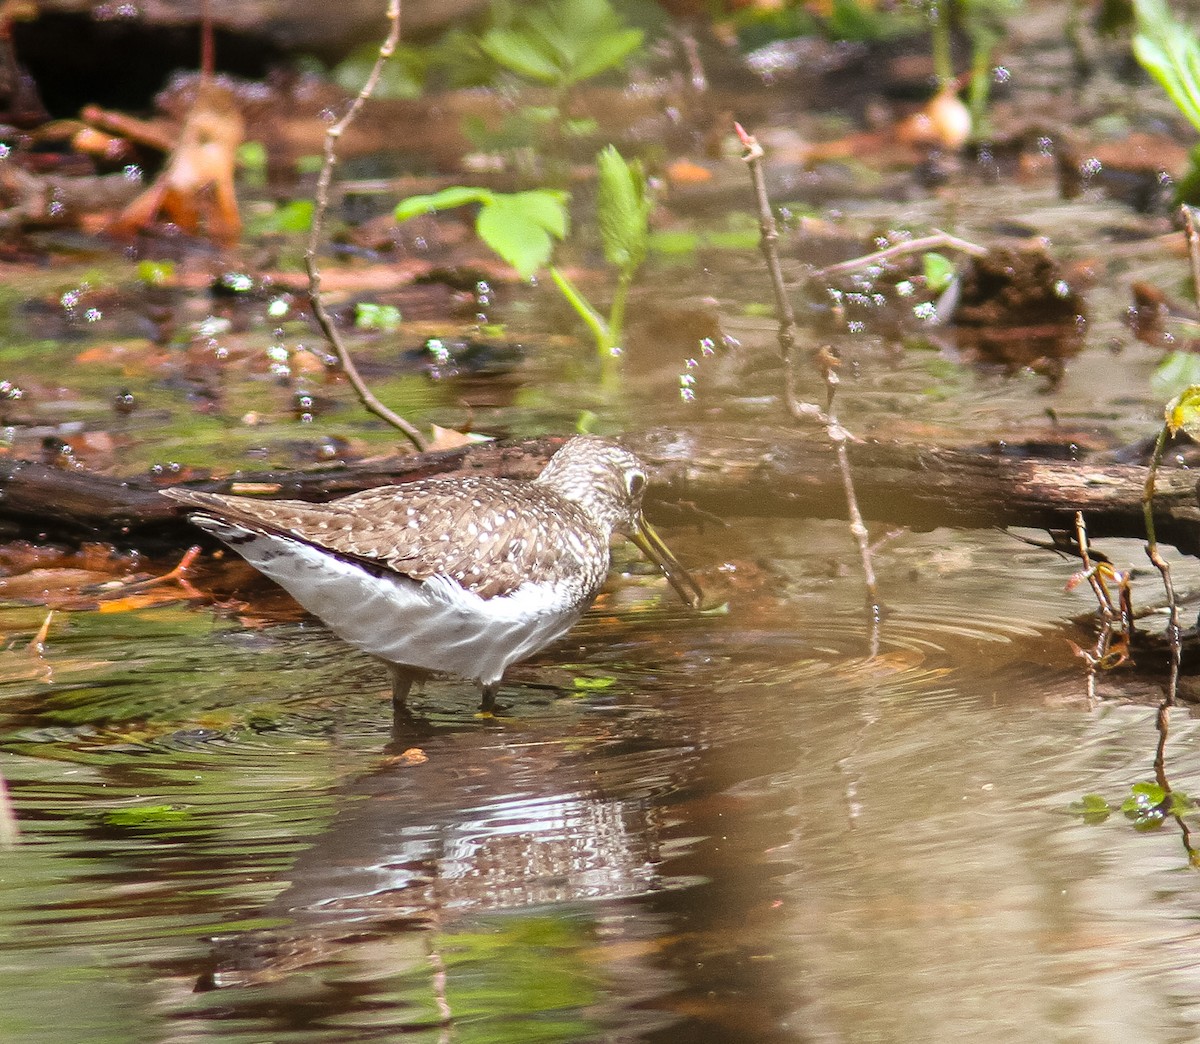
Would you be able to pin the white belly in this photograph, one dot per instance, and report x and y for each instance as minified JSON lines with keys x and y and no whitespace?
{"x":433,"y":625}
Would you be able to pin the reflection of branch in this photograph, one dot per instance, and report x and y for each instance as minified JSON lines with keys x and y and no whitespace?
{"x":321,"y":204}
{"x":1168,"y":805}
{"x":445,"y":1015}
{"x":1103,"y":599}
{"x":9,"y":832}
{"x":838,"y":435}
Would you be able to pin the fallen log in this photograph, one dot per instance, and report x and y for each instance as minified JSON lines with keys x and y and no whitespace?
{"x":729,"y":473}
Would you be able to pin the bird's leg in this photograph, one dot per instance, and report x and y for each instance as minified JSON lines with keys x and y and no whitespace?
{"x":402,"y":719}
{"x":402,"y":683}
{"x":488,"y":704}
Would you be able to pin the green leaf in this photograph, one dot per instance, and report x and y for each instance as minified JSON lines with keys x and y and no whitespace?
{"x":402,"y":76}
{"x":1174,"y":374}
{"x":1091,"y":807}
{"x":519,"y":52}
{"x":580,"y":128}
{"x":155,"y":273}
{"x":1145,"y":805}
{"x":593,"y":684}
{"x":674,"y":241}
{"x":546,"y":207}
{"x":252,"y":155}
{"x":622,"y":210}
{"x":447,"y":199}
{"x":309,"y":164}
{"x":1183,"y":412}
{"x":1169,"y":51}
{"x":607,"y":52}
{"x":293,"y":216}
{"x":939,"y":271}
{"x":371,"y":316}
{"x":513,"y":229}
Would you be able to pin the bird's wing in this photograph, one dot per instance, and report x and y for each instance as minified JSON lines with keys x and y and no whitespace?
{"x":487,"y":534}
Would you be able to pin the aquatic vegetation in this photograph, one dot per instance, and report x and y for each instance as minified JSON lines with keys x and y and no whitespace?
{"x":1169,"y":51}
{"x":522,"y":227}
{"x":985,"y":23}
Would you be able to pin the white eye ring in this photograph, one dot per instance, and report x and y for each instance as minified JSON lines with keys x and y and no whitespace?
{"x":636,"y":482}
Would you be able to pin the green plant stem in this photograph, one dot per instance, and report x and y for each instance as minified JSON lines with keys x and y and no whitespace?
{"x":607,"y":346}
{"x":943,"y":64}
{"x":981,"y":83}
{"x":616,"y":314}
{"x":583,"y":308}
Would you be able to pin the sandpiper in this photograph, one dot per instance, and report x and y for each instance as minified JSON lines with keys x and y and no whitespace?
{"x":461,"y":576}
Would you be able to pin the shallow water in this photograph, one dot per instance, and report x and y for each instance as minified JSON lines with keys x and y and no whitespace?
{"x":743,"y":828}
{"x":738,"y":826}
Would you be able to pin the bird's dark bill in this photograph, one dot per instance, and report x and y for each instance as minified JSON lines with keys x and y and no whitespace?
{"x":653,"y":548}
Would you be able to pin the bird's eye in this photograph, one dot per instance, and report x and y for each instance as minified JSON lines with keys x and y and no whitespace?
{"x":636,"y":483}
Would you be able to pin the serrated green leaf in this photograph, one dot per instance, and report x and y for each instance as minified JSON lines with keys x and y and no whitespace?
{"x":622,"y":210}
{"x":1183,"y":412}
{"x":447,"y":199}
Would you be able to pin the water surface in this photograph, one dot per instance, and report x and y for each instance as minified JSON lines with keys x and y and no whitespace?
{"x":731,"y":827}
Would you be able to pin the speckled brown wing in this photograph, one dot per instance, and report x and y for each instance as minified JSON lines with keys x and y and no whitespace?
{"x":487,"y":534}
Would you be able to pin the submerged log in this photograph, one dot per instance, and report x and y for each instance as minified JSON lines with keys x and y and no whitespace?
{"x":727,"y":473}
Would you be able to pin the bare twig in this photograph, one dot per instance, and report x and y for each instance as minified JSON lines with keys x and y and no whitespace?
{"x":321,"y":204}
{"x":1193,"y":242}
{"x":1098,"y":658}
{"x":1174,"y":633}
{"x":937,"y":241}
{"x":825,"y":357}
{"x":768,"y":236}
{"x":1090,"y":571}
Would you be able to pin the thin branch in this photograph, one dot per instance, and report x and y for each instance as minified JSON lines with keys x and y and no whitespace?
{"x":768,"y":237}
{"x":1193,"y":242}
{"x":938,"y":240}
{"x":1108,"y":611}
{"x":825,"y":357}
{"x":321,"y":205}
{"x":1174,"y":633}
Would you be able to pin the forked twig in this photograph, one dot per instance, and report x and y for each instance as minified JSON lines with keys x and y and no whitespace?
{"x":938,"y":240}
{"x":321,"y":205}
{"x":1109,"y":612}
{"x":825,"y":358}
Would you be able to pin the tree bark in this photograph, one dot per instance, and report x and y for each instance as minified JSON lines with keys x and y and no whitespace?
{"x":729,"y":473}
